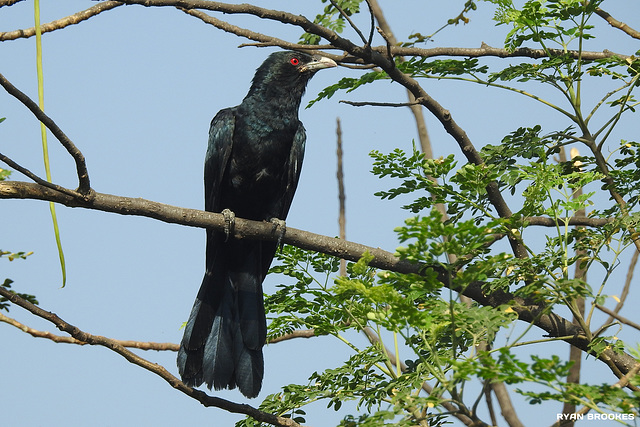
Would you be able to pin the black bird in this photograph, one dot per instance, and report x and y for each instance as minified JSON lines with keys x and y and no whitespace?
{"x":251,"y":169}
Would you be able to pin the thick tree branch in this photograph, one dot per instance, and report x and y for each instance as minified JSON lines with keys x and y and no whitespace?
{"x":265,"y":40}
{"x":159,"y":370}
{"x":339,"y":42}
{"x":527,"y":311}
{"x":196,"y":218}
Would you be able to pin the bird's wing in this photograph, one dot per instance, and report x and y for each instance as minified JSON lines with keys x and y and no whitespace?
{"x":295,"y":165}
{"x":217,"y":158}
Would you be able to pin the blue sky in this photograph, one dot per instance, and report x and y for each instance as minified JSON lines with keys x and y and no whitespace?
{"x":135,"y":89}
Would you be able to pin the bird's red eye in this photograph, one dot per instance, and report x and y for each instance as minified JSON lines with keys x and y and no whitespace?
{"x":294,"y":61}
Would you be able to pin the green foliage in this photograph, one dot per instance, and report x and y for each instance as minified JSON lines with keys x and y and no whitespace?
{"x":11,"y":256}
{"x":420,"y":331}
{"x":396,"y":310}
{"x":4,"y":302}
{"x":4,"y":174}
{"x":553,"y":21}
{"x":331,"y":18}
{"x":349,"y":84}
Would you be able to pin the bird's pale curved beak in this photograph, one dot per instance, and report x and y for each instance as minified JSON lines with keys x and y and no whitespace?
{"x":318,"y":63}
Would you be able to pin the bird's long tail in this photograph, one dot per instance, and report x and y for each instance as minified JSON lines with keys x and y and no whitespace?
{"x":223,"y":339}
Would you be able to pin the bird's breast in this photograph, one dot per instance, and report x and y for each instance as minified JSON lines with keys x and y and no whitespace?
{"x":259,"y":164}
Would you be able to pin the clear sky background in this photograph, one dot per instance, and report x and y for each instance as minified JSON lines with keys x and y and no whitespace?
{"x":135,"y":88}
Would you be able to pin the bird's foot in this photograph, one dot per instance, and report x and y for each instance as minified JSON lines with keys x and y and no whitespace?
{"x":279,"y":224}
{"x":229,"y":222}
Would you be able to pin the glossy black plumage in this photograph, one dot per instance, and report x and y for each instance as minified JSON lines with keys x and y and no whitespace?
{"x":252,"y":168}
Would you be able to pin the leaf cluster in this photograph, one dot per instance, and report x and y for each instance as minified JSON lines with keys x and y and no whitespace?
{"x":331,"y":18}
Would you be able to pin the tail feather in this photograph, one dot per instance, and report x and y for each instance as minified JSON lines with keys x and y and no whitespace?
{"x":223,"y":339}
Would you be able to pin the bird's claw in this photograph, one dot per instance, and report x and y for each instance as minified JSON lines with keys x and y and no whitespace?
{"x":229,"y":222}
{"x":279,"y":223}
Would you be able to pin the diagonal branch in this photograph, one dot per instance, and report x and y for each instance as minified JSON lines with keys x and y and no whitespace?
{"x":84,"y":186}
{"x":140,"y":345}
{"x":58,"y":24}
{"x":36,"y":333}
{"x":26,"y":172}
{"x":159,"y":370}
{"x":617,"y":24}
{"x":528,"y":311}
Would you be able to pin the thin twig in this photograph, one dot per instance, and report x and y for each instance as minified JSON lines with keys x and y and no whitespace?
{"x":140,"y":345}
{"x":60,"y":23}
{"x":84,"y":187}
{"x":372,"y":23}
{"x":626,"y":287}
{"x":379,"y":104}
{"x":155,"y":368}
{"x":618,"y":317}
{"x":26,"y":172}
{"x":301,"y":333}
{"x":342,"y":219}
{"x":348,"y":19}
{"x":617,"y":24}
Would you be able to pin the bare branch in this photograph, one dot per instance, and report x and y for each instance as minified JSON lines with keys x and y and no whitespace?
{"x":140,"y":345}
{"x":9,"y":2}
{"x":342,"y":218}
{"x":626,"y":287}
{"x":506,"y":407}
{"x":302,"y":333}
{"x":346,"y":17}
{"x":195,"y":218}
{"x":361,"y":52}
{"x":84,"y":186}
{"x":26,"y":172}
{"x":528,"y":311}
{"x":574,"y":221}
{"x":380,"y":104}
{"x":60,"y":23}
{"x":159,"y":370}
{"x":617,"y":24}
{"x":615,"y":315}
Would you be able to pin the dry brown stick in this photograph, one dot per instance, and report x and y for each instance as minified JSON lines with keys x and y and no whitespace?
{"x":575,"y":354}
{"x":141,"y":345}
{"x":528,"y":311}
{"x":342,"y":219}
{"x":159,"y":370}
{"x":8,"y":2}
{"x":61,"y":23}
{"x":617,"y":24}
{"x":626,"y":287}
{"x":84,"y":186}
{"x":416,"y":108}
{"x":616,"y":316}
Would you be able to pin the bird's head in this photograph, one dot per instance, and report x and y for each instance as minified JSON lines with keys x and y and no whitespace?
{"x":288,"y":71}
